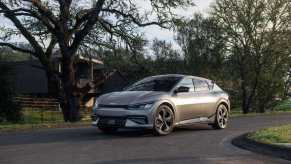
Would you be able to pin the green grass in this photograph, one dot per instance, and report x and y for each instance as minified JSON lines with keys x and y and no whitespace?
{"x":284,"y":105}
{"x":27,"y":127}
{"x":273,"y":135}
{"x":41,"y":119}
{"x":281,"y":107}
{"x":31,"y":116}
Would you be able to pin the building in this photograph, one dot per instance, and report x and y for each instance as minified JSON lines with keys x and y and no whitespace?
{"x":29,"y":78}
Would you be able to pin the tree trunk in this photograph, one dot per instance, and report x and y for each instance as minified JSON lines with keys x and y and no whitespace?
{"x":71,"y":101}
{"x":245,"y":103}
{"x":53,"y":84}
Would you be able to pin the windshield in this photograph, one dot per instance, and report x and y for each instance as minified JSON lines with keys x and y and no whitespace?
{"x":162,"y":84}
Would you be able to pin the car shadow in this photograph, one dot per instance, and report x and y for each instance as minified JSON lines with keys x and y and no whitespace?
{"x":86,"y":134}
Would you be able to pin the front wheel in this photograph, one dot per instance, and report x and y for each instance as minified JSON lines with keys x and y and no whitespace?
{"x":222,"y":116}
{"x":163,"y":121}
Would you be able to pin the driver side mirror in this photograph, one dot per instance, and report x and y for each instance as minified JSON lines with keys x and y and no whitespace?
{"x":182,"y":89}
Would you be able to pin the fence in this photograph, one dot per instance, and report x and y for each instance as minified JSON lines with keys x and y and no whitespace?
{"x":44,"y":110}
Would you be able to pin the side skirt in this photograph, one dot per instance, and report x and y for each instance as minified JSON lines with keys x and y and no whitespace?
{"x":208,"y":120}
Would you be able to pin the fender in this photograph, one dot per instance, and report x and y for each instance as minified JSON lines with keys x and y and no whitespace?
{"x":167,"y":101}
{"x":224,"y":101}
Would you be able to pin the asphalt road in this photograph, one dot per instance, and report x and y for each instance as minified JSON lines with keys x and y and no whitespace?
{"x":196,"y":144}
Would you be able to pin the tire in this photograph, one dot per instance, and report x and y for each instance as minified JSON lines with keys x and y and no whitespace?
{"x":221,"y":118}
{"x":108,"y":130}
{"x":163,"y":121}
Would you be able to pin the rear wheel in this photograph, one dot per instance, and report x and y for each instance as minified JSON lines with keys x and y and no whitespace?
{"x":108,"y":130}
{"x":222,"y":116}
{"x":163,"y":121}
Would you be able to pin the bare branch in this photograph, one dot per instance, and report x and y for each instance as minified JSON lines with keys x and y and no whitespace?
{"x":92,"y":20}
{"x":22,"y":29}
{"x":135,"y":20}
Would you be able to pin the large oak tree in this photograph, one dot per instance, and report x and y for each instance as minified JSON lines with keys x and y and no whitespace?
{"x":72,"y":25}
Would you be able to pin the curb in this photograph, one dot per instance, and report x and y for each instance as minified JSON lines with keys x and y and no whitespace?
{"x":261,"y":148}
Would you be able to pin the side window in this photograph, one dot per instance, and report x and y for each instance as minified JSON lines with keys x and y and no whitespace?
{"x":201,"y":85}
{"x":187,"y":82}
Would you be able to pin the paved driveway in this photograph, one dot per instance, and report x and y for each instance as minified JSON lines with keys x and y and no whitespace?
{"x":196,"y":144}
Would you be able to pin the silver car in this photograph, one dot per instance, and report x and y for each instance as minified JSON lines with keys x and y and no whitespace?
{"x":162,"y":103}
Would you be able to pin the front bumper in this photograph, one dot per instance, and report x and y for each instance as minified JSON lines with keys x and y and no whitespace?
{"x":122,"y":118}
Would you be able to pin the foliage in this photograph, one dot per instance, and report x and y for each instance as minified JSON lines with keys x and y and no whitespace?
{"x":165,"y":59}
{"x":132,"y":66}
{"x":202,"y":42}
{"x":258,"y":44}
{"x":9,"y":111}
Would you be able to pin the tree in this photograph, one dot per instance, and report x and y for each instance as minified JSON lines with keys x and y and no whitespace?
{"x":258,"y":42}
{"x":72,"y":26}
{"x":202,"y":43}
{"x":132,"y":66}
{"x":165,"y":58}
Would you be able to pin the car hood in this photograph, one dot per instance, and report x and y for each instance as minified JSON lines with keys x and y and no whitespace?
{"x":130,"y":97}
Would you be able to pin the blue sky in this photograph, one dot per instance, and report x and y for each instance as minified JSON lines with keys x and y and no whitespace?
{"x":152,"y":31}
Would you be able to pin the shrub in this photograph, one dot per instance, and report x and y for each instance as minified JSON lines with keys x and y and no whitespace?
{"x":9,"y":110}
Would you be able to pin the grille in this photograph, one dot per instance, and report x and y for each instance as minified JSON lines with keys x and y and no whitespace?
{"x":112,"y":106}
{"x":111,"y":122}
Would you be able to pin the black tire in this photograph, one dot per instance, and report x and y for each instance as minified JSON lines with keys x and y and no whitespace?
{"x":221,"y":117}
{"x":163,"y":121}
{"x":108,"y":130}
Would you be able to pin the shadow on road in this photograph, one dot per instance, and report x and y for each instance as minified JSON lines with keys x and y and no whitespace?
{"x":85,"y":134}
{"x":165,"y":160}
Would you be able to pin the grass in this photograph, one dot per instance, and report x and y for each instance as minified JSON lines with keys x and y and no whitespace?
{"x":273,"y":135}
{"x":31,"y":116}
{"x":284,"y":105}
{"x":281,"y":107}
{"x":27,"y":127}
{"x":42,"y":119}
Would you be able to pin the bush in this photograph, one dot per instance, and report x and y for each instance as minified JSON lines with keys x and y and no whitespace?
{"x":9,"y":110}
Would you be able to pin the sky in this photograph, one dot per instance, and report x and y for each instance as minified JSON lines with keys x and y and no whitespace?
{"x":152,"y":32}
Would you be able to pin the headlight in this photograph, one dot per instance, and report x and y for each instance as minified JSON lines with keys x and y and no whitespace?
{"x":146,"y":106}
{"x":96,"y":104}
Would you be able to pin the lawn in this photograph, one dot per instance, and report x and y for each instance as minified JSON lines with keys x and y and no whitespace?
{"x":37,"y":116}
{"x":34,"y":116}
{"x":283,"y":106}
{"x":8,"y":127}
{"x":272,"y":135}
{"x":42,"y":119}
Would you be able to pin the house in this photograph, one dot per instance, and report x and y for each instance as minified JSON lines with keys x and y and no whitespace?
{"x":29,"y":78}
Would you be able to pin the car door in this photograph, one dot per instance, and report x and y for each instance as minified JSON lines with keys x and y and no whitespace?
{"x":207,"y":100}
{"x":187,"y":103}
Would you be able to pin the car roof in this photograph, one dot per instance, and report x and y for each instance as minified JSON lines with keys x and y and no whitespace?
{"x":182,"y":76}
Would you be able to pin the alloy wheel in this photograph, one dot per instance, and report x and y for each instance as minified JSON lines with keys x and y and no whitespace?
{"x":222,"y":117}
{"x":164,"y":120}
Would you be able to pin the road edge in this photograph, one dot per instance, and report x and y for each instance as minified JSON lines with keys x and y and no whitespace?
{"x":244,"y":142}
